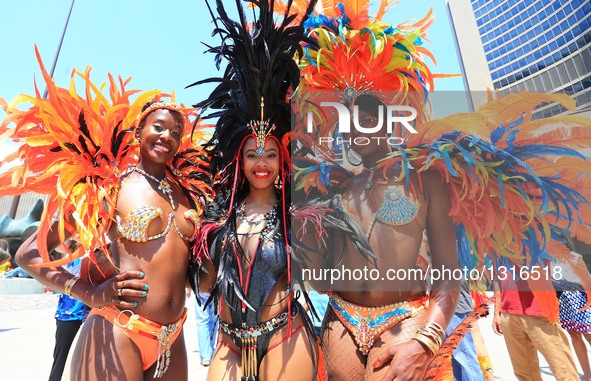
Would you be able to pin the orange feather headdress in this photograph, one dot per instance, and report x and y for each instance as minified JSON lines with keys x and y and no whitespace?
{"x":355,"y":53}
{"x":74,"y":148}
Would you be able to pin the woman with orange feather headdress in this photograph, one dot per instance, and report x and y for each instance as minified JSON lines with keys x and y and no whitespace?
{"x":508,"y":190}
{"x":126,"y":178}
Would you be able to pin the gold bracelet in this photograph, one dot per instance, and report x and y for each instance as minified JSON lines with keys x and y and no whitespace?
{"x":437,"y":327}
{"x":431,"y":334}
{"x":437,"y":341}
{"x":427,"y":342}
{"x":70,"y":285}
{"x":434,"y":330}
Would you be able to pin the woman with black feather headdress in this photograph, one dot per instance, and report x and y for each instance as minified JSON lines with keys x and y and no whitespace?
{"x":244,"y":247}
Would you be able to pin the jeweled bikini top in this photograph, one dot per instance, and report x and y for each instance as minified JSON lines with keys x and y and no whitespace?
{"x":134,"y":226}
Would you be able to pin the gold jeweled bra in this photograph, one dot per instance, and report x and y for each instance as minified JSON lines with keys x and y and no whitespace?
{"x":134,"y":226}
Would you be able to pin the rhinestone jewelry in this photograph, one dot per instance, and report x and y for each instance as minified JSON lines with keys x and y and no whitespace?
{"x":261,"y":129}
{"x":397,"y":208}
{"x":270,"y":218}
{"x":163,"y":185}
{"x":369,"y":182}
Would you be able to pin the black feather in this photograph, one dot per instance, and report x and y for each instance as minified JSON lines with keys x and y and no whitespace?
{"x":259,"y":55}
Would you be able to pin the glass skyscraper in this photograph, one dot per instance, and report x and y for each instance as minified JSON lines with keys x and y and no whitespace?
{"x":535,"y":45}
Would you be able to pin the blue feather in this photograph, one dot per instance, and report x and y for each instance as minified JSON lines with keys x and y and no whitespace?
{"x":464,"y":250}
{"x":321,"y":21}
{"x":448,"y":162}
{"x":308,"y":57}
{"x":418,"y":41}
{"x":497,"y":134}
{"x":372,"y":34}
{"x":400,"y":46}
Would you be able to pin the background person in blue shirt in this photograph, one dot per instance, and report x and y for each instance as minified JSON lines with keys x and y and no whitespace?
{"x":69,"y":315}
{"x":207,"y":327}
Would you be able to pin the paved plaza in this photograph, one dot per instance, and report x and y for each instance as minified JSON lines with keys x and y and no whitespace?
{"x":27,"y":330}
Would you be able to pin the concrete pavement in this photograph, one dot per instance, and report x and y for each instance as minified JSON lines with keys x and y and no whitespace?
{"x":27,"y":330}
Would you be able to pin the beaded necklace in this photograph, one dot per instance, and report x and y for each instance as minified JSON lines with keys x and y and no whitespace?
{"x":270,"y":219}
{"x":134,"y":226}
{"x":163,"y":185}
{"x":369,"y":183}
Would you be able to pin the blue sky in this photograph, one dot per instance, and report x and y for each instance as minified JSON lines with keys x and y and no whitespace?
{"x":158,"y":44}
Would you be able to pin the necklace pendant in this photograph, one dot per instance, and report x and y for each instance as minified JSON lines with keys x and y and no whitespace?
{"x":164,"y":186}
{"x":269,"y":219}
{"x":369,"y":183}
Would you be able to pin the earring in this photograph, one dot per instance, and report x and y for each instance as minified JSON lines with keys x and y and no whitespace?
{"x":352,"y":157}
{"x":278,"y":183}
{"x":136,"y":136}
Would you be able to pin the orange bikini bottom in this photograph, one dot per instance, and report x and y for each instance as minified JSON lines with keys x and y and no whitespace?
{"x":152,"y":339}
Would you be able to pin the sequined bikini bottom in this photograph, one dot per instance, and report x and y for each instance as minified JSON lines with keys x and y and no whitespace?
{"x":366,"y":324}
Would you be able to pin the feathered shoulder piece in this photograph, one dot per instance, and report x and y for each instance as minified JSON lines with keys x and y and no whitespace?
{"x":190,"y":165}
{"x":518,"y":187}
{"x":74,"y":147}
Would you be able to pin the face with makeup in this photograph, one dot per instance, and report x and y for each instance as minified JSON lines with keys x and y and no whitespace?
{"x":160,"y":135}
{"x":261,"y":171}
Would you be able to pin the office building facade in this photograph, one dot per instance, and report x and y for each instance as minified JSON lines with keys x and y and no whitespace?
{"x":532,"y":45}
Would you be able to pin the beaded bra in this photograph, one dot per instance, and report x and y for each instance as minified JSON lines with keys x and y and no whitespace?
{"x":134,"y":226}
{"x":396,"y":209}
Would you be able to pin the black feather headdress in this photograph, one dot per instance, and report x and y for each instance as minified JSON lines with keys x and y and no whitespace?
{"x":251,"y":99}
{"x":257,"y":81}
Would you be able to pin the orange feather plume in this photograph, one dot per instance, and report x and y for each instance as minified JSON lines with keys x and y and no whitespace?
{"x":73,"y":148}
{"x":439,"y":368}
